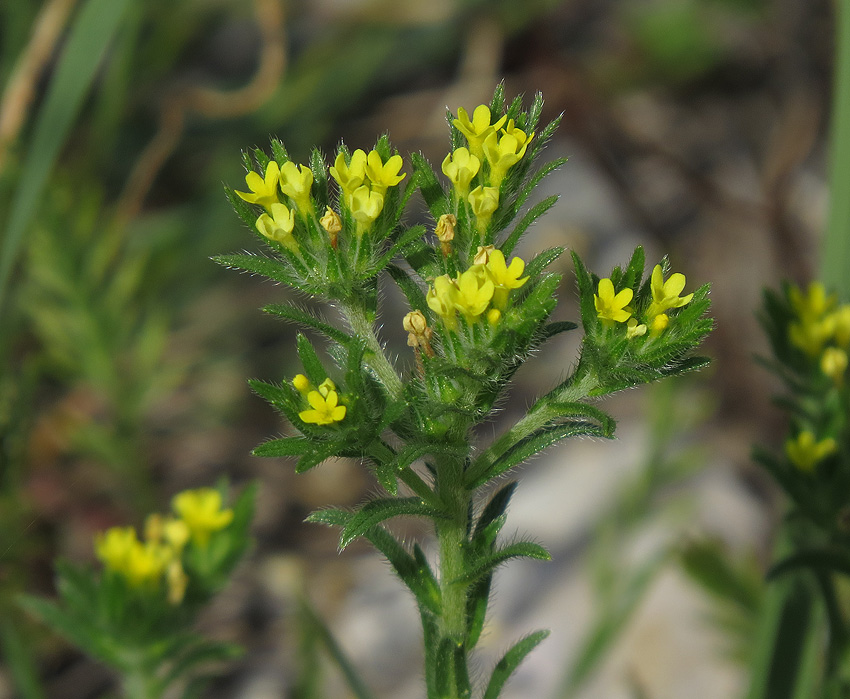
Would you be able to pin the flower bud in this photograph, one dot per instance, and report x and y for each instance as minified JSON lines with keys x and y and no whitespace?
{"x":332,"y":224}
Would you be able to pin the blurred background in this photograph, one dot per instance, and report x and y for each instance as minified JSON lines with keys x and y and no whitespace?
{"x":696,"y":128}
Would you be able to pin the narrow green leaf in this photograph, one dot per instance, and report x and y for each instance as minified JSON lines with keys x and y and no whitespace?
{"x":91,"y":33}
{"x":429,"y":185}
{"x":296,"y":315}
{"x":542,"y":260}
{"x":525,"y":222}
{"x":380,"y":509}
{"x":258,"y":264}
{"x":837,"y":560}
{"x":510,"y":661}
{"x":286,"y":446}
{"x":313,"y":367}
{"x":317,"y":455}
{"x":412,"y":290}
{"x":520,"y":549}
{"x":494,"y":509}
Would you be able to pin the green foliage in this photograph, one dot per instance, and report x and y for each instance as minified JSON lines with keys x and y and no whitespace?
{"x":476,"y":316}
{"x":141,"y":626}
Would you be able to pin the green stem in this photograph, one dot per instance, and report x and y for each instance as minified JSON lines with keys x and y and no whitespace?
{"x":140,"y":684}
{"x":363,"y":326}
{"x":452,"y":536}
{"x":836,"y":245}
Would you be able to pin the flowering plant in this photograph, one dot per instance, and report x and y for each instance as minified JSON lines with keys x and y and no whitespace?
{"x":477,"y":312}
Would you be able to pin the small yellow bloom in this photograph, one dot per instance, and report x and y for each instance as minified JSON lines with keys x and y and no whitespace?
{"x":324,"y":409}
{"x":503,"y":153}
{"x":634,"y":330}
{"x":475,"y":291}
{"x":114,"y":545}
{"x":610,"y":307}
{"x":349,"y":175}
{"x":805,"y":453}
{"x":301,"y":384}
{"x":841,"y":320}
{"x":484,"y":201}
{"x":659,"y":324}
{"x":441,"y":299}
{"x":833,"y":363}
{"x":146,"y":563}
{"x":168,"y":531}
{"x":665,"y":295}
{"x":366,"y":205}
{"x":505,"y":277}
{"x":326,"y":387}
{"x":811,"y":334}
{"x":263,"y":189}
{"x":201,"y":511}
{"x":461,"y":167}
{"x":177,"y":581}
{"x":511,"y":130}
{"x":296,"y":182}
{"x":383,"y":175}
{"x":477,"y":128}
{"x":813,"y":304}
{"x":279,"y":226}
{"x":332,"y":224}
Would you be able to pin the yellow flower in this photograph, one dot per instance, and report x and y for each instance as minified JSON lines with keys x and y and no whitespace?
{"x":114,"y":545}
{"x":167,"y":530}
{"x":841,"y":319}
{"x":812,"y":305}
{"x":635,"y":330}
{"x":177,"y":581}
{"x":441,"y":299}
{"x":504,"y":277}
{"x":263,"y":190}
{"x":278,"y":226}
{"x":665,"y":295}
{"x":503,"y":153}
{"x":805,"y":453}
{"x":484,"y":201}
{"x":810,"y":334}
{"x":349,"y":175}
{"x":146,"y":563}
{"x":383,"y":175}
{"x":324,"y":409}
{"x":301,"y":384}
{"x":326,"y":387}
{"x":295,"y":182}
{"x":833,"y":363}
{"x":659,"y":324}
{"x":460,"y":167}
{"x":477,"y":128}
{"x":518,"y":134}
{"x":201,"y":511}
{"x":475,"y":290}
{"x":366,"y":205}
{"x":610,"y":307}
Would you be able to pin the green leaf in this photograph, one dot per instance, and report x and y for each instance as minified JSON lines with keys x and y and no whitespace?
{"x":530,"y":217}
{"x":484,"y":566}
{"x":313,"y":367}
{"x":18,"y":658}
{"x":296,"y":315}
{"x":258,"y":264}
{"x":92,"y":31}
{"x":556,"y":328}
{"x":318,"y":454}
{"x":432,"y":191}
{"x":707,"y":563}
{"x":826,"y":559}
{"x":510,"y":661}
{"x":197,"y":651}
{"x":542,"y":260}
{"x":286,"y":446}
{"x":497,"y":506}
{"x":412,"y":290}
{"x":380,"y":509}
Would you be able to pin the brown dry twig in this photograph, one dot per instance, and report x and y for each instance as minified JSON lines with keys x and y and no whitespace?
{"x":213,"y":104}
{"x":21,"y":88}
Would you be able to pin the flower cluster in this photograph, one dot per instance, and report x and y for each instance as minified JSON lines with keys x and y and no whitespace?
{"x":613,"y":307}
{"x":158,"y":559}
{"x":363,"y":181}
{"x":821,"y":329}
{"x":323,"y":400}
{"x":486,"y":284}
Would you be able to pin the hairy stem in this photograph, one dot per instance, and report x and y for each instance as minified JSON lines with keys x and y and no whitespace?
{"x":363,"y":326}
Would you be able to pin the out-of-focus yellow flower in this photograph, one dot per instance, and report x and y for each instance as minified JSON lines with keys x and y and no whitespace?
{"x":612,"y":307}
{"x":505,"y":277}
{"x":841,"y":319}
{"x":461,"y":167}
{"x":659,"y":324}
{"x":263,"y":189}
{"x":279,"y":226}
{"x":114,"y":545}
{"x":475,"y":290}
{"x":441,"y":299}
{"x":366,"y":205}
{"x":177,"y":581}
{"x":815,"y":324}
{"x":811,"y":334}
{"x":833,"y":363}
{"x":665,"y":295}
{"x":477,"y":128}
{"x":805,"y":452}
{"x":202,"y":512}
{"x":813,"y":304}
{"x":168,"y":531}
{"x":484,"y":201}
{"x":146,"y":563}
{"x":296,"y":182}
{"x":503,"y":153}
{"x":324,"y":409}
{"x":383,"y":175}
